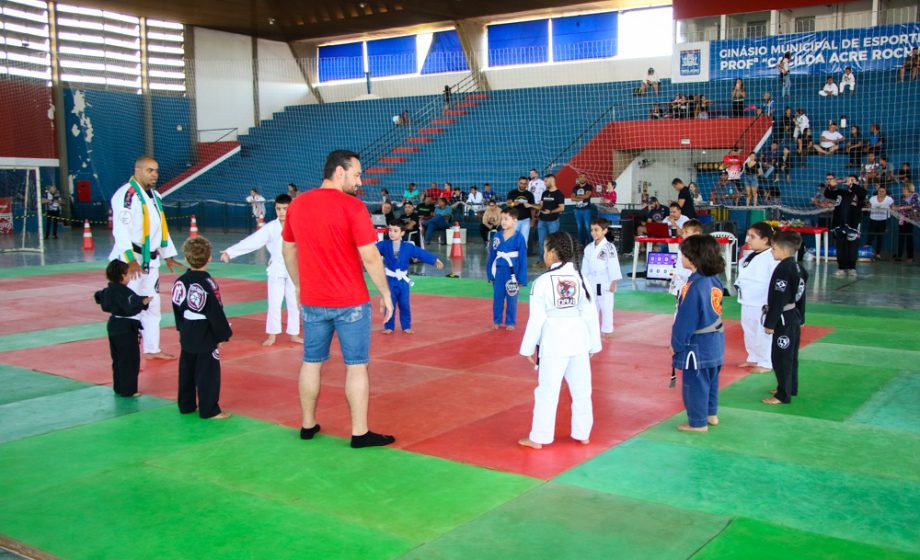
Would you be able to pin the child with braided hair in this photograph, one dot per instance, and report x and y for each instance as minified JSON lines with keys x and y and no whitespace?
{"x":562,"y":334}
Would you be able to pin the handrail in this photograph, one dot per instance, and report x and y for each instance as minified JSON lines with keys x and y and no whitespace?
{"x":555,"y":159}
{"x":227,"y":132}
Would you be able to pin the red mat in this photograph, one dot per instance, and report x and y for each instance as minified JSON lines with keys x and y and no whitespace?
{"x":456,"y":389}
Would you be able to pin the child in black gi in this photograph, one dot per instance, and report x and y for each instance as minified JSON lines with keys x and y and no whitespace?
{"x":785,"y":314}
{"x":203,"y":328}
{"x":121,"y":301}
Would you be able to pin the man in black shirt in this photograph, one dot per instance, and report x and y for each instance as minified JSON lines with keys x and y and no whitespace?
{"x":409,"y":219}
{"x":549,"y":209}
{"x":426,"y":207}
{"x":848,"y":200}
{"x":522,"y":201}
{"x":581,"y":196}
{"x":684,"y":199}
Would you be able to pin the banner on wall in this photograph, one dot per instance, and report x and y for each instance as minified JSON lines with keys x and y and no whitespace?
{"x":690,"y":63}
{"x":823,"y":52}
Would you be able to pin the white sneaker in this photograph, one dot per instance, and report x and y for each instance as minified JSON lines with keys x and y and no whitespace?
{"x":840,"y":274}
{"x":853,"y":273}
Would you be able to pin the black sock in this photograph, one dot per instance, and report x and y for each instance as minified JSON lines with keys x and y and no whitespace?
{"x":370,"y":439}
{"x":308,"y":433}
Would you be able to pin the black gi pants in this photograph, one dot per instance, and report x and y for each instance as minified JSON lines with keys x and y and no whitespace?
{"x":877,"y":230}
{"x":785,"y":357}
{"x":51,"y":223}
{"x":199,"y":372}
{"x":846,"y":251}
{"x":906,"y":240}
{"x":126,"y":362}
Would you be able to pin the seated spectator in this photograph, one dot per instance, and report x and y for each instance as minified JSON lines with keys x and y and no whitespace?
{"x":491,"y":220}
{"x":876,"y":141}
{"x":830,"y":89}
{"x":425,"y":208}
{"x":904,"y":174}
{"x":433,"y":191}
{"x":609,"y":196}
{"x":679,"y":109}
{"x":404,"y":117}
{"x":848,"y":80}
{"x":384,"y":196}
{"x":869,"y":172}
{"x":787,"y":125}
{"x":676,"y":219}
{"x":440,"y":222}
{"x":655,"y":112}
{"x":411,"y":194}
{"x":473,"y":201}
{"x":885,"y":171}
{"x":768,"y":105}
{"x":386,"y":209}
{"x":786,"y":163}
{"x":487,"y":193}
{"x":410,"y":218}
{"x":802,"y":129}
{"x":650,"y":81}
{"x":855,"y":146}
{"x":656,"y":213}
{"x":769,"y":159}
{"x":830,"y":140}
{"x":911,"y":63}
{"x":703,"y":105}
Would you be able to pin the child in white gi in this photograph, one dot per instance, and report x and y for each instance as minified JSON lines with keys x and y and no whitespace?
{"x":563,"y":332}
{"x":753,"y":283}
{"x":280,"y":287}
{"x":601,"y":269}
{"x":682,"y":273}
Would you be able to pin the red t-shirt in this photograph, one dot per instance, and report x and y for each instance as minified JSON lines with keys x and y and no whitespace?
{"x":328,"y":227}
{"x":732,"y":164}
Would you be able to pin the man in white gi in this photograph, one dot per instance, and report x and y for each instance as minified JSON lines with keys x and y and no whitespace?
{"x":142,"y":240}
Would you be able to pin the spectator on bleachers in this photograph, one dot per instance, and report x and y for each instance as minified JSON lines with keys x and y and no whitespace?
{"x":768,"y":105}
{"x":656,"y":213}
{"x":697,"y":195}
{"x":769,"y":159}
{"x":848,"y":80}
{"x":787,"y":125}
{"x":473,"y":201}
{"x":904,"y":174}
{"x":386,"y":209}
{"x":830,"y":89}
{"x":655,"y":112}
{"x":410,"y":219}
{"x":425,"y":208}
{"x":738,"y":97}
{"x":384,"y":196}
{"x":650,"y":81}
{"x":724,"y":193}
{"x":751,"y":172}
{"x":855,"y":145}
{"x":679,"y":108}
{"x":411,"y":194}
{"x":868,"y":175}
{"x":491,"y":220}
{"x":676,"y":219}
{"x":446,"y":97}
{"x":879,"y":211}
{"x":909,"y":208}
{"x":786,"y":163}
{"x":830,"y":140}
{"x":456,"y":199}
{"x":802,"y":129}
{"x":876,"y":140}
{"x":911,"y":63}
{"x":731,"y":164}
{"x":292,"y":191}
{"x":684,"y":198}
{"x":692,"y":106}
{"x":885,"y":171}
{"x":487,"y":193}
{"x":784,"y":67}
{"x":440,"y":221}
{"x":404,"y":118}
{"x":703,"y":105}
{"x":610,"y":198}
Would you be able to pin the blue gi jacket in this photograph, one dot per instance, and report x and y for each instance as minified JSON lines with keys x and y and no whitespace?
{"x":510,"y":253}
{"x":397,"y":266}
{"x":699,"y":308}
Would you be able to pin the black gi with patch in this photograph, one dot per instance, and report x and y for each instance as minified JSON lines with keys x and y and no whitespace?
{"x":202,"y":326}
{"x":848,"y":205}
{"x":785,"y":314}
{"x":122,"y":303}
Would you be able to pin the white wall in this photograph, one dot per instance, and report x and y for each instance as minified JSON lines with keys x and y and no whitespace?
{"x":223,"y":82}
{"x":390,"y":87}
{"x":281,"y":81}
{"x":585,"y":72}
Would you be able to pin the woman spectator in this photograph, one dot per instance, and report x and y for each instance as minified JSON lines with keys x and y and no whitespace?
{"x":750,"y":175}
{"x":855,"y":146}
{"x":697,"y":195}
{"x":787,"y":124}
{"x":738,"y":97}
{"x":879,"y":212}
{"x":909,"y":208}
{"x":491,"y":221}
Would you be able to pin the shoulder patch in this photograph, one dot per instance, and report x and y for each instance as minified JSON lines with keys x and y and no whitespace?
{"x":780,"y":285}
{"x":683,"y":290}
{"x":197,"y":297}
{"x":178,"y":293}
{"x":129,"y":198}
{"x":214,"y":289}
{"x":715,"y":297}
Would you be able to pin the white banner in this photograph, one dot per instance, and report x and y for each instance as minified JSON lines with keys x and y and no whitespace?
{"x":690,"y":63}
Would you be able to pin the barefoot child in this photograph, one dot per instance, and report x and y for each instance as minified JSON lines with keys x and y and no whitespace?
{"x":785,"y":315}
{"x":280,"y":288}
{"x":396,"y":258}
{"x":698,"y":338}
{"x":601,"y":268}
{"x":121,"y":301}
{"x":563,"y":332}
{"x":753,"y":284}
{"x":203,"y":329}
{"x":506,"y":270}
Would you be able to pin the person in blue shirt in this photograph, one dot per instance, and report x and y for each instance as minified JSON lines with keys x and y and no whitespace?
{"x":440,"y":221}
{"x":396,"y":258}
{"x":698,"y":337}
{"x":506,"y":270}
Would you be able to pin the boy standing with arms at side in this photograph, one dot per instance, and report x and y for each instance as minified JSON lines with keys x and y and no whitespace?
{"x":506,"y":270}
{"x":396,"y":258}
{"x":785,"y":315}
{"x":203,"y":329}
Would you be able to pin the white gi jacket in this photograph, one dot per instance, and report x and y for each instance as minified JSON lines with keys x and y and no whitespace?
{"x":753,"y":280}
{"x":269,"y":236}
{"x":128,"y":225}
{"x":600,"y":265}
{"x":563,"y":321}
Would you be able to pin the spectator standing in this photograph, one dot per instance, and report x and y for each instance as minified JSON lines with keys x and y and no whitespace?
{"x":684,"y":199}
{"x":855,"y":146}
{"x":910,"y":206}
{"x":802,"y":129}
{"x":879,"y":212}
{"x":911,"y":63}
{"x":848,"y":200}
{"x":769,"y":159}
{"x":549,"y":209}
{"x":768,"y":105}
{"x":521,"y":200}
{"x":751,"y":179}
{"x":51,"y":202}
{"x":258,"y":204}
{"x":328,"y":239}
{"x":784,"y":67}
{"x":738,"y":97}
{"x":581,"y":196}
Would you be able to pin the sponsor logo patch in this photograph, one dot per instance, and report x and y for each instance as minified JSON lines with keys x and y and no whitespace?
{"x":197,"y":297}
{"x":783,"y":342}
{"x":216,"y":354}
{"x":780,"y":286}
{"x":565,"y":290}
{"x":178,"y":293}
{"x":125,"y":217}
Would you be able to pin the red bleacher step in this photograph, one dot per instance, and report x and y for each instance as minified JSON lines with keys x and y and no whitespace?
{"x":370,"y":180}
{"x":418,"y":140}
{"x":443,"y":121}
{"x":454,"y":113}
{"x":466,"y":104}
{"x":406,"y":149}
{"x":392,"y":159}
{"x":478,"y":96}
{"x":430,"y":130}
{"x":378,"y":170}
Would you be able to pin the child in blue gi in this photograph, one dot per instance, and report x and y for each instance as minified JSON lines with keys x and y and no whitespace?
{"x":506,"y":270}
{"x":396,"y":258}
{"x":698,"y":338}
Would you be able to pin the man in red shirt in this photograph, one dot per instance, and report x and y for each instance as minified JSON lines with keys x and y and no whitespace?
{"x":328,"y":238}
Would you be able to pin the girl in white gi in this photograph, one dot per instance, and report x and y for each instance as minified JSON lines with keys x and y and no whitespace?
{"x":753,"y":284}
{"x":562,"y":333}
{"x":280,"y":287}
{"x":601,"y":269}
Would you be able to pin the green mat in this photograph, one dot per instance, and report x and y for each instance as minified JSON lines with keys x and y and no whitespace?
{"x":870,"y":358}
{"x":896,"y":406}
{"x":23,"y":384}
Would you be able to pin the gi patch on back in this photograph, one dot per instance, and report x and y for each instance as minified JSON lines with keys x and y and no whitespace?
{"x":565,"y":290}
{"x":715,"y":297}
{"x":178,"y":293}
{"x":197,"y":297}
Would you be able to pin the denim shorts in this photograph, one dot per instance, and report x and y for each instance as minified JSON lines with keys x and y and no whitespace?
{"x":352,"y":324}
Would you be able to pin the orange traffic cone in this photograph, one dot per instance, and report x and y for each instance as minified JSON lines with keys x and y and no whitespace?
{"x":88,"y":244}
{"x":260,"y":221}
{"x":456,"y":248}
{"x":193,"y":229}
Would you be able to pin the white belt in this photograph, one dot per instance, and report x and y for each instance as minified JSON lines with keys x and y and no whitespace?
{"x":506,"y":256}
{"x":400,"y":275}
{"x":192,"y":316}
